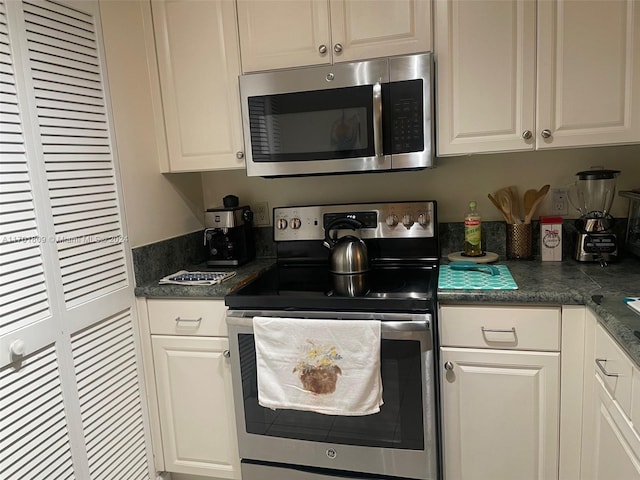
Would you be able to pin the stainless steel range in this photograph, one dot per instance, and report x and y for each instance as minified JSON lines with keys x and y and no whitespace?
{"x":386,"y":270}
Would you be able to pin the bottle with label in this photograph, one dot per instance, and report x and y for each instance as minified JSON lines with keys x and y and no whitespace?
{"x":472,"y":232}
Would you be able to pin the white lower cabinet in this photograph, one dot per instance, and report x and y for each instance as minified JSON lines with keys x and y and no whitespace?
{"x":614,"y":443}
{"x":191,"y":382}
{"x":500,"y":402}
{"x":611,"y":444}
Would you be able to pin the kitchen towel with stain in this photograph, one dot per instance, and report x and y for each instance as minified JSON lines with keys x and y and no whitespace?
{"x":324,"y":366}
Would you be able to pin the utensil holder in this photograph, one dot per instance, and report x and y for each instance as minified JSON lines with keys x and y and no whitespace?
{"x":519,"y":241}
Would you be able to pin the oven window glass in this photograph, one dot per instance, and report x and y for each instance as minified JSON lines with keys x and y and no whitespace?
{"x":316,"y":125}
{"x":399,"y":424}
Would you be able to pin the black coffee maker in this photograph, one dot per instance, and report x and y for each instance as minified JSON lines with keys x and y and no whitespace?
{"x":228,"y":234}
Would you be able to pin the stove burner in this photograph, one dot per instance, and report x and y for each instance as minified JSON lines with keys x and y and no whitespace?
{"x":311,"y":288}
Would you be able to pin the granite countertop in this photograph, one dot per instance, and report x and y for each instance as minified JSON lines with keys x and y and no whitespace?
{"x":543,"y":283}
{"x":570,"y":283}
{"x":244,"y":274}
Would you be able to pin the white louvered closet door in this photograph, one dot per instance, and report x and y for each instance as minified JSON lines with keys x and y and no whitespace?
{"x":70,"y":394}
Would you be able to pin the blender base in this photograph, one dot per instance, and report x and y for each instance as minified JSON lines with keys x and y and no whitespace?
{"x":596,"y":247}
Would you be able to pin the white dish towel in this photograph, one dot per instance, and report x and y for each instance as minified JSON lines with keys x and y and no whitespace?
{"x":324,"y":366}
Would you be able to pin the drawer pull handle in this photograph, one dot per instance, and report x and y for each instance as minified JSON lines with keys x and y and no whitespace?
{"x":189,"y":320}
{"x":226,"y":354}
{"x":496,"y":330}
{"x":600,"y":362}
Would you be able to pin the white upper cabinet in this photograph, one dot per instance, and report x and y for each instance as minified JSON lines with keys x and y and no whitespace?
{"x":280,"y":33}
{"x":588,"y":73}
{"x":505,"y":86}
{"x":485,"y":54}
{"x":199,"y":64}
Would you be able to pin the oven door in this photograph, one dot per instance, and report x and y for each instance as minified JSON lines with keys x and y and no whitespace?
{"x":398,"y":441}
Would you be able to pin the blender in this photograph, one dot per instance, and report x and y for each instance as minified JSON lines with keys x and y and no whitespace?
{"x":592,"y":195}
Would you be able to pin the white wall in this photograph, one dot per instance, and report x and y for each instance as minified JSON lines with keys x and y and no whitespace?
{"x":157,"y":206}
{"x":454,"y":182}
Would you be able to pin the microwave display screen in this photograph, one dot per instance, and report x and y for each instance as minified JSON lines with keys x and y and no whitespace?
{"x":315,"y":125}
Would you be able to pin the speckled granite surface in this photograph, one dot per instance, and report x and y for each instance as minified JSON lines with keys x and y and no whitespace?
{"x":570,"y":283}
{"x":152,"y":262}
{"x":244,"y":274}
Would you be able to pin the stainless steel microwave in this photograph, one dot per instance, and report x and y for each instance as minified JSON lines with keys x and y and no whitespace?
{"x":373,"y":115}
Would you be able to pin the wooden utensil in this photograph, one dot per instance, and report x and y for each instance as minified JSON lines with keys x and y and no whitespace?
{"x":499,"y":207}
{"x":504,"y":199}
{"x":516,"y":205}
{"x":540,"y":194}
{"x":529,"y":198}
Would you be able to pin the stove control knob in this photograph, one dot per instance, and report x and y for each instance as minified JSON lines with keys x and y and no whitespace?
{"x":423,"y":219}
{"x":282,"y":224}
{"x":407,"y":220}
{"x":392,"y":220}
{"x":295,"y":223}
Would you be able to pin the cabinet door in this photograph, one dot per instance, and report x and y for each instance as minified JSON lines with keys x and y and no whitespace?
{"x":485,"y":75}
{"x":282,"y":33}
{"x":378,"y":28}
{"x":199,"y":63}
{"x":611,"y":447}
{"x":500,"y":414}
{"x":588,"y":72}
{"x":197,"y":420}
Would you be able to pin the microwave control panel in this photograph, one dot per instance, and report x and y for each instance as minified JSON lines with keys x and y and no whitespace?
{"x":406,"y":112}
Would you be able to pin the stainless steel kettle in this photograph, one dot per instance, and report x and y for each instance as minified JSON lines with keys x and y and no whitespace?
{"x":348,"y":260}
{"x":348,"y":253}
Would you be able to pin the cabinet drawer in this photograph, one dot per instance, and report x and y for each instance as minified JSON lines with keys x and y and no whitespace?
{"x":187,"y":317}
{"x":515,"y":328}
{"x":614,"y":368}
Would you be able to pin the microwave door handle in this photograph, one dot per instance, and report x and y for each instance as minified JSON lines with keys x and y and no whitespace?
{"x":377,"y":120}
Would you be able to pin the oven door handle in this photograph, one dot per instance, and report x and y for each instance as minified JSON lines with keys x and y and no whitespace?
{"x":385,"y":326}
{"x":410,"y":326}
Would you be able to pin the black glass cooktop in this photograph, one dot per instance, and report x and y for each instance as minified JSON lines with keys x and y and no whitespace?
{"x":295,"y":287}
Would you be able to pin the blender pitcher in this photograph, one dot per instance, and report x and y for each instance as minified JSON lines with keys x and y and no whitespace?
{"x":593,"y":192}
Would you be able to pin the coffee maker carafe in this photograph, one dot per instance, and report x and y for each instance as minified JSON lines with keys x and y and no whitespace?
{"x":228,"y":236}
{"x":592,"y":196}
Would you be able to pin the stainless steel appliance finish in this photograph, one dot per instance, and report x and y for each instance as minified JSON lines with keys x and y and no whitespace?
{"x":373,"y":115}
{"x":379,"y":221}
{"x":401,"y":440}
{"x":226,"y":217}
{"x":286,"y":446}
{"x":228,"y":236}
{"x":632,"y":243}
{"x":592,"y":196}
